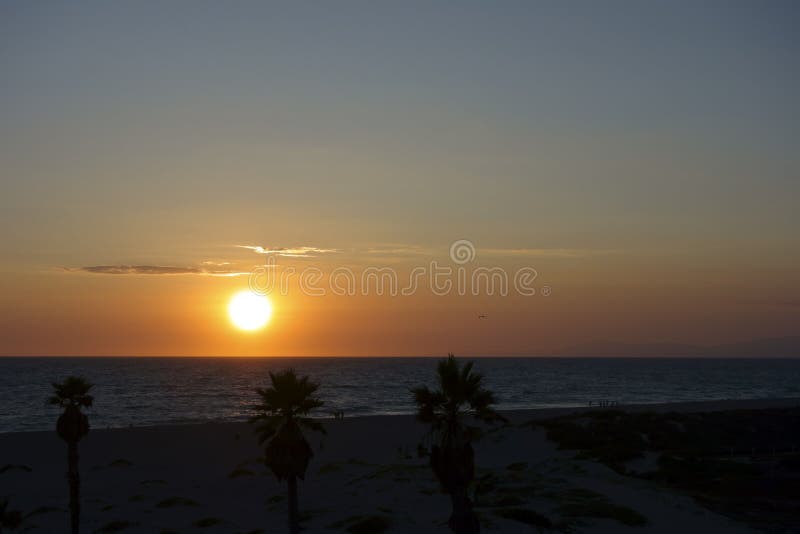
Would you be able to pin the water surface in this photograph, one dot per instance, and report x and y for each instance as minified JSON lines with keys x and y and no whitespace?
{"x":147,"y":391}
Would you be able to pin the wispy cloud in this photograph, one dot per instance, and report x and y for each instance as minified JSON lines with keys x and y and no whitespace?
{"x":153,"y":270}
{"x":544,"y":252}
{"x":291,"y":252}
{"x":415,"y":250}
{"x":400,"y":249}
{"x":405,"y":250}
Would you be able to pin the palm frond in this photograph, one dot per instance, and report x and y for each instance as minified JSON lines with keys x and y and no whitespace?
{"x":460,"y":394}
{"x":265,"y":431}
{"x":286,"y":403}
{"x":282,"y":410}
{"x":73,"y":391}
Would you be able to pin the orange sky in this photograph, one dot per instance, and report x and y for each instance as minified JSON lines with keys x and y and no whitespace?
{"x":610,"y":296}
{"x":642,"y":159}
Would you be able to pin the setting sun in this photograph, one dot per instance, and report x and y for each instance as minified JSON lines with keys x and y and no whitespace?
{"x":249,"y":311}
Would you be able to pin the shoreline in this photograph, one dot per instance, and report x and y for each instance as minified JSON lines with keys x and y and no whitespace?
{"x":514,"y":414}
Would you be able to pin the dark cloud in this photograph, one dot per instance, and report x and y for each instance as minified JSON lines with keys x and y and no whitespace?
{"x":154,"y":270}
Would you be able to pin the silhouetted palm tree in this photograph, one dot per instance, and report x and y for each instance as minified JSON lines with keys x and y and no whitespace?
{"x":282,"y":413}
{"x":9,"y":519}
{"x":72,"y":395}
{"x":460,"y":395}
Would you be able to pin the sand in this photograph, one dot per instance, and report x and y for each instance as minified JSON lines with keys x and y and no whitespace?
{"x":178,"y":478}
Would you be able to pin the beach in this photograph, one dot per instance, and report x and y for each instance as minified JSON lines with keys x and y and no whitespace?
{"x":209,"y":478}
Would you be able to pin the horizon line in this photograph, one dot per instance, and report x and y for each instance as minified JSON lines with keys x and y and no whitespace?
{"x":523,"y":356}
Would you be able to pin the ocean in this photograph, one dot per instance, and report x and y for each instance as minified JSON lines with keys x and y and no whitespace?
{"x":152,"y":391}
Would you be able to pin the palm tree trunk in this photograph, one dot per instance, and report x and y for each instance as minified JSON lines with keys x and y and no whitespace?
{"x":463,"y":520}
{"x":294,"y":524}
{"x":74,"y":486}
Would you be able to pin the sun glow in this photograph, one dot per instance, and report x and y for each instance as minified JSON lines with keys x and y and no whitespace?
{"x":249,"y":311}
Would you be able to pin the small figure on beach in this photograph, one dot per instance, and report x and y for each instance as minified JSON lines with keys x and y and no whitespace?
{"x":603,"y":403}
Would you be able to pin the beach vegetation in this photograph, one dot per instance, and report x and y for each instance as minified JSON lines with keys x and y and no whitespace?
{"x":115,"y":526}
{"x":362,"y":524}
{"x":372,"y":524}
{"x":331,"y":467}
{"x":41,"y":510}
{"x":9,"y":519}
{"x":526,"y":516}
{"x":517,"y":466}
{"x":10,"y":467}
{"x":735,"y":462}
{"x":603,"y":509}
{"x":176,"y":501}
{"x":207,"y":522}
{"x":153,"y":482}
{"x":240,"y":472}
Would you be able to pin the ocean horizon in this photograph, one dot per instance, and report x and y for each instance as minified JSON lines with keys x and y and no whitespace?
{"x":165,"y":390}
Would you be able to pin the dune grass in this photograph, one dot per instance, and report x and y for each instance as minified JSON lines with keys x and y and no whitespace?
{"x":332,"y":467}
{"x":526,"y":516}
{"x":581,"y":502}
{"x":153,"y":482}
{"x":42,"y":510}
{"x":176,"y":501}
{"x":517,"y":466}
{"x":115,"y":526}
{"x":207,"y":522}
{"x":240,"y":472}
{"x":603,"y":509}
{"x":11,"y":467}
{"x":362,"y":524}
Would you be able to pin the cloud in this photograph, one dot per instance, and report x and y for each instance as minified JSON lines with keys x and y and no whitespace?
{"x":404,"y":250}
{"x":154,"y":270}
{"x":415,"y":250}
{"x":543,"y":252}
{"x":400,"y":249}
{"x":292,"y":252}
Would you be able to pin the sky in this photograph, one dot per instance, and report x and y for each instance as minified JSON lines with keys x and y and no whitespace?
{"x":641,"y":157}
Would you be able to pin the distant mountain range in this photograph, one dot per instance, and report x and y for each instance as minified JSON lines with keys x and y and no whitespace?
{"x":773,"y":347}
